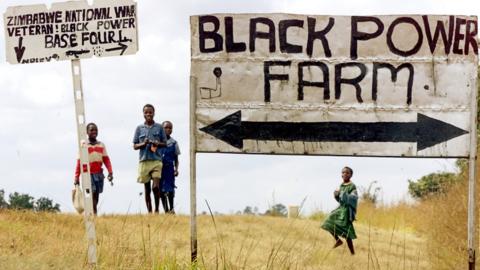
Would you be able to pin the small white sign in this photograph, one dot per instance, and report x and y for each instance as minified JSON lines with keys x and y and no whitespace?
{"x":70,"y":30}
{"x":394,"y":85}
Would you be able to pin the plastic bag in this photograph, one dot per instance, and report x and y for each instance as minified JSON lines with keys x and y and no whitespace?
{"x":78,"y":199}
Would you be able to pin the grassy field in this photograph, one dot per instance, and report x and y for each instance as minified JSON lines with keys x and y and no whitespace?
{"x":57,"y":241}
{"x":431,"y":234}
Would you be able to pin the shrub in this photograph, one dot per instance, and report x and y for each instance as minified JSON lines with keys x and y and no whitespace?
{"x":432,"y":184}
{"x":369,"y":196}
{"x":278,"y":210}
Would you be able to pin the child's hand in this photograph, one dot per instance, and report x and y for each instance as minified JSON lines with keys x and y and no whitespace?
{"x":110,"y":178}
{"x":175,"y":173}
{"x":336,"y":193}
{"x":147,"y":140}
{"x":76,"y":182}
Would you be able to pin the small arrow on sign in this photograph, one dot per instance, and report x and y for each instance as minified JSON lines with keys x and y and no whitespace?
{"x":426,"y":132}
{"x":76,"y":53}
{"x":122,"y":47}
{"x":19,"y":50}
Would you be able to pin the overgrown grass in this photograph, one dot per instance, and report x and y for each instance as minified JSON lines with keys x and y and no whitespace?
{"x":430,"y":234}
{"x":57,"y":241}
{"x":441,"y":220}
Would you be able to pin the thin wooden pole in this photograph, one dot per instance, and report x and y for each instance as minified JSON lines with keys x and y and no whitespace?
{"x":193,"y":169}
{"x":472,"y":175}
{"x":86,"y":181}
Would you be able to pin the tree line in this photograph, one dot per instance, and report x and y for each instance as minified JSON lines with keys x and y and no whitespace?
{"x":277,"y":210}
{"x":26,"y":202}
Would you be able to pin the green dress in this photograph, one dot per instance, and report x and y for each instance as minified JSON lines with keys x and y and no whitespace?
{"x":340,"y":221}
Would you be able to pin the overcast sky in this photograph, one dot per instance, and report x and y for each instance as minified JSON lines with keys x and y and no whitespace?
{"x":38,"y":137}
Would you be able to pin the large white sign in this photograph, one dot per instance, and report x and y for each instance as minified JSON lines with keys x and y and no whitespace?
{"x":396,"y":85}
{"x":70,"y":30}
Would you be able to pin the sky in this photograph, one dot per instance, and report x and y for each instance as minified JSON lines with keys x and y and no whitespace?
{"x":38,"y":136}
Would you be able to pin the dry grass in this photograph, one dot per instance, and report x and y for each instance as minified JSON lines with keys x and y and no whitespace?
{"x":443,"y":221}
{"x":429,"y":235}
{"x":57,"y":241}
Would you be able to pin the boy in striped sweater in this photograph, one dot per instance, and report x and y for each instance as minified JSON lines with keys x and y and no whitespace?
{"x":97,"y":156}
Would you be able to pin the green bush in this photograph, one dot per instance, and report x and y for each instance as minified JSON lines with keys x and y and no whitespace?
{"x":25,"y":201}
{"x":20,"y":201}
{"x":278,"y":210}
{"x":3,"y":203}
{"x":431,"y":185}
{"x":317,"y":215}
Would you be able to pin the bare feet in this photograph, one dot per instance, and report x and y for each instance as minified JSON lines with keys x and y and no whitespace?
{"x":338,"y":243}
{"x":350,"y":246}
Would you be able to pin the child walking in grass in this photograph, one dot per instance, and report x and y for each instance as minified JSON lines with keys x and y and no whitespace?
{"x":170,"y":169}
{"x":149,"y":138}
{"x":340,"y":222}
{"x":97,"y":156}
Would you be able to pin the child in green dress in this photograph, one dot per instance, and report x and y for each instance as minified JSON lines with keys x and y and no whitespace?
{"x":340,"y":222}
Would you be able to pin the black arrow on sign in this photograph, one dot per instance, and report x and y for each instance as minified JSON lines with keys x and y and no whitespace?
{"x":76,"y":53}
{"x":426,"y":132}
{"x":19,"y":50}
{"x":122,"y":47}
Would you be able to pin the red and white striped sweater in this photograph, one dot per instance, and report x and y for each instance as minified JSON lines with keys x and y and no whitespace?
{"x":97,"y":156}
